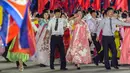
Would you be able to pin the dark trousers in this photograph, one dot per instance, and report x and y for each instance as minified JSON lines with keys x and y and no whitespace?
{"x":109,"y":43}
{"x":97,"y":45}
{"x":57,"y":41}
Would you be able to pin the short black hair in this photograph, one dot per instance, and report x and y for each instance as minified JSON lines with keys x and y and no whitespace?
{"x":57,"y":10}
{"x":109,"y":8}
{"x":89,"y":9}
{"x":93,"y":11}
{"x":116,"y":12}
{"x":124,"y":15}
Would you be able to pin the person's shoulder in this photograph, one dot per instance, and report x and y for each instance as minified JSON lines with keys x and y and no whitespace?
{"x":52,"y":19}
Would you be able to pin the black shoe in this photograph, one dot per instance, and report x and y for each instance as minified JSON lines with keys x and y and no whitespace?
{"x":63,"y":69}
{"x":116,"y":67}
{"x":42,"y":65}
{"x":108,"y":68}
{"x":76,"y":65}
{"x":78,"y":68}
{"x":52,"y":68}
{"x":24,"y":64}
{"x":95,"y":61}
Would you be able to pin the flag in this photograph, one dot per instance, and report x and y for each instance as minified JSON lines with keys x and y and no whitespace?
{"x":41,"y":5}
{"x":121,"y":4}
{"x":80,"y":2}
{"x":124,"y":5}
{"x":16,"y":8}
{"x":23,"y":30}
{"x":96,"y":4}
{"x":52,"y":4}
{"x":106,"y":4}
{"x":118,"y":4}
{"x":65,"y":5}
{"x":86,"y":4}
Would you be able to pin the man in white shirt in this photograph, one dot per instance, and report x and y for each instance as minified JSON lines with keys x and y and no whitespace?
{"x":93,"y":24}
{"x":108,"y":27}
{"x":56,"y":27}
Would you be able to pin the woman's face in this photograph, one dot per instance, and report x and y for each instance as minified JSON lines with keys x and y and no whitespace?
{"x":80,"y":14}
{"x":46,"y":15}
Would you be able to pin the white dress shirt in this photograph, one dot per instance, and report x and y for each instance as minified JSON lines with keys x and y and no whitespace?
{"x":60,"y":29}
{"x":93,"y":25}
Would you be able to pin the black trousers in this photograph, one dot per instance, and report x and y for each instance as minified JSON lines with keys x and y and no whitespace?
{"x":109,"y":43}
{"x":97,"y":45}
{"x":57,"y":41}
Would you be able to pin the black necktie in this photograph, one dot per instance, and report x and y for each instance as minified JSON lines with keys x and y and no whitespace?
{"x":56,"y":26}
{"x":111,"y":25}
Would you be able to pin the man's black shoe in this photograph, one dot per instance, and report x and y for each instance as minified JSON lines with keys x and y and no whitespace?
{"x":108,"y":68}
{"x":63,"y":69}
{"x":116,"y":67}
{"x":52,"y":68}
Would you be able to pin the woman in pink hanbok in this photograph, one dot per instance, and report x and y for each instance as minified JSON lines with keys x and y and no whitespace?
{"x":79,"y":51}
{"x":125,"y":49}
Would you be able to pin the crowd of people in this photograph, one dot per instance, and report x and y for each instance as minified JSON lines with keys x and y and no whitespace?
{"x":73,"y":37}
{"x":84,"y":37}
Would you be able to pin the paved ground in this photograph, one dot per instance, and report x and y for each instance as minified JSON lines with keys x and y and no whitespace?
{"x":34,"y":68}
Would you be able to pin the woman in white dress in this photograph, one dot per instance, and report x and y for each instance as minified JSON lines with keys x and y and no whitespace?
{"x":42,"y":55}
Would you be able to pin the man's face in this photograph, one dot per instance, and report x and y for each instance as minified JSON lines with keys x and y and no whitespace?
{"x":94,"y":14}
{"x":58,"y":14}
{"x":110,"y":13}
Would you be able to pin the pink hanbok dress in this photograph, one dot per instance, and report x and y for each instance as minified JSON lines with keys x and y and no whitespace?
{"x":79,"y":50}
{"x":125,"y":49}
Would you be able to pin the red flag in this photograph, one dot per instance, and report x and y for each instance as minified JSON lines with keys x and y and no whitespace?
{"x":52,"y":4}
{"x":87,"y":4}
{"x":106,"y":4}
{"x":41,"y":5}
{"x":96,"y":4}
{"x":124,"y":5}
{"x":80,"y":2}
{"x":117,"y":4}
{"x":121,"y":4}
{"x":65,"y":5}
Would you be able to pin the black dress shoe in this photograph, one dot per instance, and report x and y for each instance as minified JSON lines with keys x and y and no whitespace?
{"x":52,"y":68}
{"x":42,"y":65}
{"x":96,"y":63}
{"x":116,"y":67}
{"x":108,"y":68}
{"x":63,"y":69}
{"x":78,"y":68}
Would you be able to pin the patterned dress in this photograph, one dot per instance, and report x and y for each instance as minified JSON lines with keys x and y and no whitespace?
{"x":79,"y":51}
{"x":42,"y":45}
{"x":125,"y":48}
